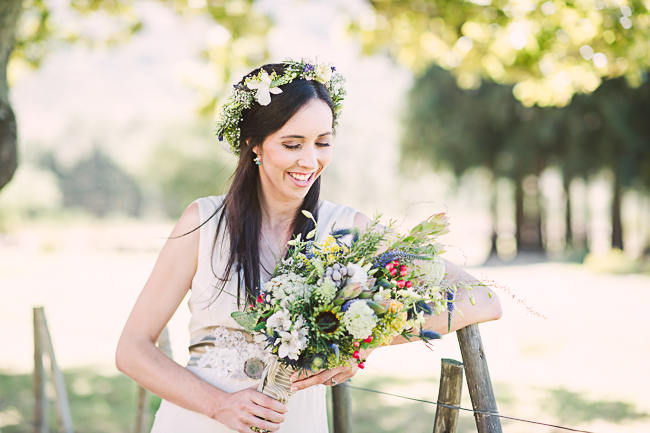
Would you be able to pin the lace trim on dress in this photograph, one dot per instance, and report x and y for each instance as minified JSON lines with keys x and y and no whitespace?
{"x":231,"y":352}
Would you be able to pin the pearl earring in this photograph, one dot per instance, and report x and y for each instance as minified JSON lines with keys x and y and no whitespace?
{"x":257,"y":160}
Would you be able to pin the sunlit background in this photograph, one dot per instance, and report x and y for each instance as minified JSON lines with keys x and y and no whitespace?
{"x":526,"y":121}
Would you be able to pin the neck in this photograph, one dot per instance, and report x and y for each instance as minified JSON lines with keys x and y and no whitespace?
{"x":278,"y":213}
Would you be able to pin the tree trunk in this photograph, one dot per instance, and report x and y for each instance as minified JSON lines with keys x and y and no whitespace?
{"x":9,"y":12}
{"x":568,"y":220}
{"x":617,"y":226}
{"x":519,"y":211}
{"x":528,"y":215}
{"x":494,"y":214}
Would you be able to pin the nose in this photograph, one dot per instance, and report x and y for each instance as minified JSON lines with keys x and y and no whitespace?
{"x":308,"y":158}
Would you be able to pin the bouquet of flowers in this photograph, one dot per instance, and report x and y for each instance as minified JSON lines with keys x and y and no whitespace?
{"x":328,"y":300}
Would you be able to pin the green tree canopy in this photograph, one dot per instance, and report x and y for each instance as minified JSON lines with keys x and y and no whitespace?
{"x":547,"y":49}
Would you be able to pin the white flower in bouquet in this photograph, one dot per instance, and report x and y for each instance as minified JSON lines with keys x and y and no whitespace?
{"x":287,"y":287}
{"x":359,"y":320}
{"x":279,"y":320}
{"x":292,"y":342}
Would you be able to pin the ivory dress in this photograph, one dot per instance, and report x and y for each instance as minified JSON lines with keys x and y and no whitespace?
{"x":222,"y":364}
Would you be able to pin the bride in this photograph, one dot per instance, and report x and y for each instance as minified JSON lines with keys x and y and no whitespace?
{"x":280,"y":121}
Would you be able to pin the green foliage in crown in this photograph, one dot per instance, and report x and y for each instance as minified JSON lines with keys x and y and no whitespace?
{"x":259,"y":87}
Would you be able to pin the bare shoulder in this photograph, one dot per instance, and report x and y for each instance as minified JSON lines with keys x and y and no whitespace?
{"x":188,"y":221}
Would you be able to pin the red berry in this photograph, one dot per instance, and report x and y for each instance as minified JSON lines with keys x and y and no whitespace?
{"x":395,"y":262}
{"x":355,"y":355}
{"x":402,"y":268}
{"x":409,"y":284}
{"x":390,"y":266}
{"x":368,"y":339}
{"x":400,"y":284}
{"x":260,"y":299}
{"x":356,"y":344}
{"x":361,"y":365}
{"x":393,"y":272}
{"x":403,"y":273}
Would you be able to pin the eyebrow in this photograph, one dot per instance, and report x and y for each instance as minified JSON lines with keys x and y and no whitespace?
{"x":301,"y":136}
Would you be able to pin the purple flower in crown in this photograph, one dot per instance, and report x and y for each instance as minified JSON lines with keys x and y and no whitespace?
{"x":333,"y":68}
{"x":308,"y":68}
{"x":220,"y":137}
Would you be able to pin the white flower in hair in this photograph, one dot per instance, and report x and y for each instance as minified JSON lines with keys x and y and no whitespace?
{"x":263,"y":86}
{"x":323,"y":73}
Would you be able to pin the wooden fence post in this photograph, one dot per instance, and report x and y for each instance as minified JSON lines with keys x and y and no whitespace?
{"x":40,"y":401}
{"x":449,"y":392}
{"x":43,"y":344}
{"x":341,"y":409}
{"x":478,"y":379}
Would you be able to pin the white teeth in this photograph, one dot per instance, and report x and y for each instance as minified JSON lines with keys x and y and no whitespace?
{"x":300,"y":177}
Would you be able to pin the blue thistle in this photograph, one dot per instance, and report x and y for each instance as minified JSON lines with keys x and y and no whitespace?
{"x":427,"y":335}
{"x":383,"y":259}
{"x":450,"y":297}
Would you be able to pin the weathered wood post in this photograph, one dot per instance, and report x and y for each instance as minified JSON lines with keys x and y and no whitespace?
{"x":341,"y":408}
{"x":449,"y":392}
{"x":44,"y":341}
{"x":40,"y":401}
{"x":478,"y":379}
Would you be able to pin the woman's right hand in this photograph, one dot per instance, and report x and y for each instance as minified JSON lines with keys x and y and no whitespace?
{"x":248,"y":408}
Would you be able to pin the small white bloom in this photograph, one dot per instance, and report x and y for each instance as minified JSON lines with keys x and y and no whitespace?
{"x":323,"y":73}
{"x":263,"y":87}
{"x":292,"y":342}
{"x":279,"y":320}
{"x":359,"y":320}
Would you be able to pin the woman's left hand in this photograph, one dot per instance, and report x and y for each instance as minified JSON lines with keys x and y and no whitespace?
{"x":304,"y":379}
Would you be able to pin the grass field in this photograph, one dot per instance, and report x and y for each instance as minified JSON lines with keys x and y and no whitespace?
{"x":584,"y":365}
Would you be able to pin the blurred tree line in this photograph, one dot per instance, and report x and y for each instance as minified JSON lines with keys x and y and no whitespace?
{"x":509,"y":63}
{"x":487,"y":127}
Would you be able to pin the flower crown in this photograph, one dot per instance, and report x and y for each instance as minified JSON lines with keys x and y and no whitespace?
{"x":259,"y":87}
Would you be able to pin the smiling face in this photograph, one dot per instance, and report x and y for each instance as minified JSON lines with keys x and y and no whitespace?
{"x":294,"y":156}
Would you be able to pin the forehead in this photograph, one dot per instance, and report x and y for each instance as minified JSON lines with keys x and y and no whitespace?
{"x":312,"y":119}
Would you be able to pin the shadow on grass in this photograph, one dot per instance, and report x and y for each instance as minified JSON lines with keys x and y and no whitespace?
{"x":99,"y":404}
{"x":571,"y":407}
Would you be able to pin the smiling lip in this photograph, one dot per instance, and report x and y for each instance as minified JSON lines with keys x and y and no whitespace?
{"x":301,"y":179}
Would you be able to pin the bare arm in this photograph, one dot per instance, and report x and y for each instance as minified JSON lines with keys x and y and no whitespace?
{"x":138,"y":357}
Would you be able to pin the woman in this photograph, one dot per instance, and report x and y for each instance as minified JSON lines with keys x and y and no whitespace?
{"x":280,"y":121}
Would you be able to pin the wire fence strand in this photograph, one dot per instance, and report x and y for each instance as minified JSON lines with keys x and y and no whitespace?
{"x":482,"y":412}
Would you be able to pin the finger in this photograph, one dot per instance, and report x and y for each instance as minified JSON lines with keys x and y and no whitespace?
{"x":303,"y":374}
{"x":254,"y":421}
{"x":267,"y":414}
{"x":316,"y":379}
{"x":269,"y":403}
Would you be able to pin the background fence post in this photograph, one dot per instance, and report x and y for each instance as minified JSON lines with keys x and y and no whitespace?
{"x":40,"y":401}
{"x":449,"y":392}
{"x":341,"y":408}
{"x":478,"y":379}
